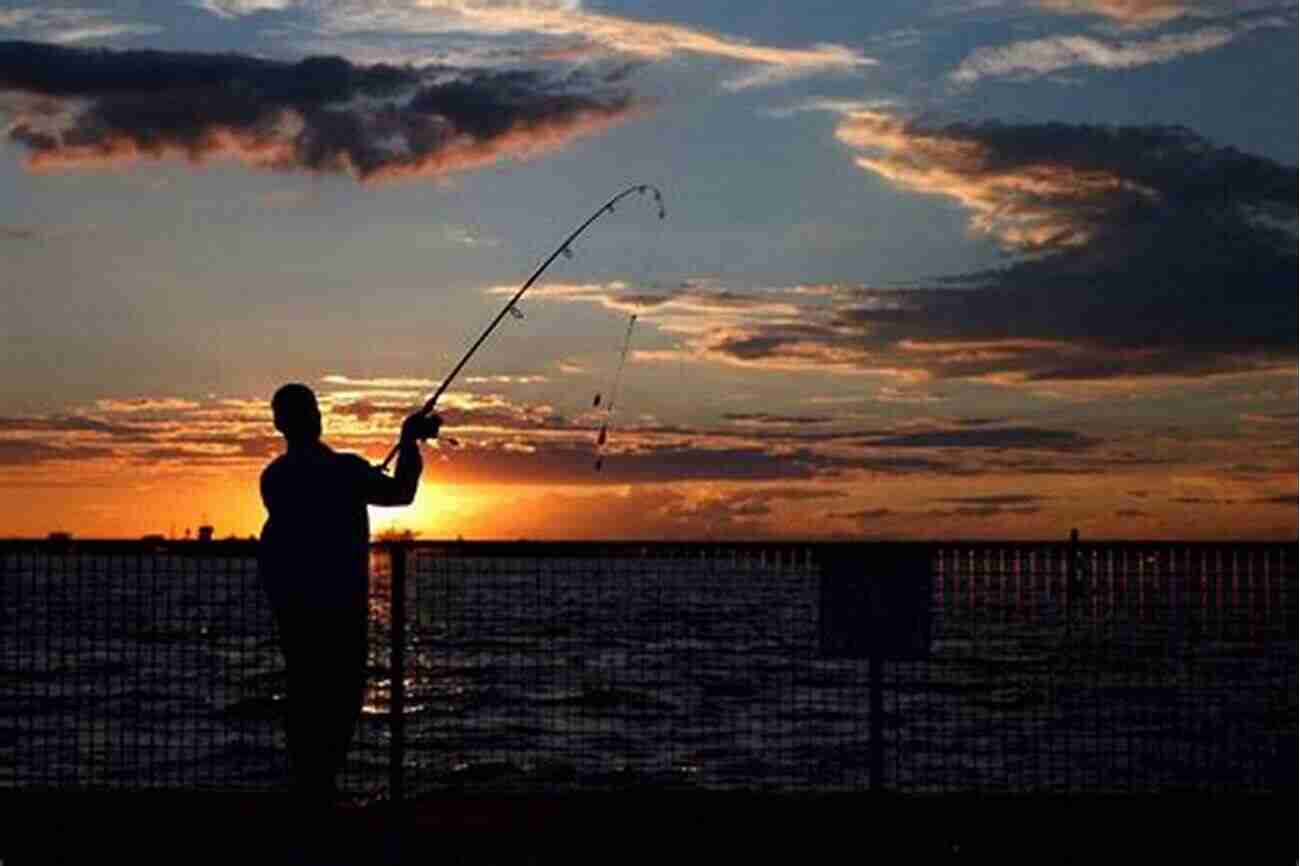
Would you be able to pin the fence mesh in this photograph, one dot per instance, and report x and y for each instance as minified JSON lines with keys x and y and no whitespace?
{"x":558,"y":667}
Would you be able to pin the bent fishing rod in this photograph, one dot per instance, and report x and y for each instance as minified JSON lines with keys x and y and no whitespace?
{"x":562,"y":249}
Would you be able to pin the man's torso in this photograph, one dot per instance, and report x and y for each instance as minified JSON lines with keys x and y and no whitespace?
{"x":314,"y":547}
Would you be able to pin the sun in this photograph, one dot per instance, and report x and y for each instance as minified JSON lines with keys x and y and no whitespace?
{"x":434,"y":514}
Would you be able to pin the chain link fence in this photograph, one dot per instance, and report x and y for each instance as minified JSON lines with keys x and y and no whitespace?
{"x":1089,"y":667}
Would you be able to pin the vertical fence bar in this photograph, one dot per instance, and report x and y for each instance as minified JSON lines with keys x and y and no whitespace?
{"x":397,"y":674}
{"x":876,"y":665}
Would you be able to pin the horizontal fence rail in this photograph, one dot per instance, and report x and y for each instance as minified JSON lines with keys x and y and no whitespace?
{"x":1025,"y":667}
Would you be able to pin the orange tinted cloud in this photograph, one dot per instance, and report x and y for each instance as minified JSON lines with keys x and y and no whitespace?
{"x":136,"y":465}
{"x":117,"y":150}
{"x":1127,"y":12}
{"x":1025,"y":204}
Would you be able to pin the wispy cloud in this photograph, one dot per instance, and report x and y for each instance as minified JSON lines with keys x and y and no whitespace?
{"x":71,"y":25}
{"x":1133,"y":13}
{"x":998,"y":437}
{"x":1142,"y":14}
{"x":1037,"y":57}
{"x":237,"y":8}
{"x":569,"y":31}
{"x":325,"y":115}
{"x":403,"y":383}
{"x":686,"y":309}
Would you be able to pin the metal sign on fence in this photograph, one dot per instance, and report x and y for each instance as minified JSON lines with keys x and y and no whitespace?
{"x":875,"y":603}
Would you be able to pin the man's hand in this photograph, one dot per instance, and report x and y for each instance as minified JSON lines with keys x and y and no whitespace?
{"x":418,"y":427}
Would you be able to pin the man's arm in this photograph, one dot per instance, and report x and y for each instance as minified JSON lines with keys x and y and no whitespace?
{"x":400,"y":489}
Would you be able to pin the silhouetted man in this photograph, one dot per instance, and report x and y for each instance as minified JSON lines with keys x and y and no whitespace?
{"x":314,"y":564}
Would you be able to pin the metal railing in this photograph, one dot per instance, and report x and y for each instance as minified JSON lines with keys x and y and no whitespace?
{"x":1085,"y":667}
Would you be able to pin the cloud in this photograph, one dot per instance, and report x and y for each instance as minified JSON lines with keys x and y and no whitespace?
{"x":684,"y":309}
{"x":1001,"y":437}
{"x":981,"y":511}
{"x":71,"y":25}
{"x":995,"y":499}
{"x":1127,"y":12}
{"x":1288,"y":499}
{"x":29,"y":453}
{"x":1037,"y":57}
{"x":573,"y":464}
{"x":506,"y":380}
{"x":890,"y":394}
{"x":761,"y":419}
{"x":1133,"y":14}
{"x":132,"y":405}
{"x":320,"y":115}
{"x":401,"y":383}
{"x":745,"y":509}
{"x":568,"y":32}
{"x":863,"y":515}
{"x":60,"y":424}
{"x":236,"y":8}
{"x":1030,"y":187}
{"x":1139,"y":254}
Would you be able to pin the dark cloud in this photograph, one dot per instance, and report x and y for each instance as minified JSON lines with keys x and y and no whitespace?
{"x":740,"y":509}
{"x":364,"y":410}
{"x":1000,"y":437}
{"x":20,"y":452}
{"x":234,"y":446}
{"x":981,"y":422}
{"x":863,"y":515}
{"x":982,"y":511}
{"x":543,"y":462}
{"x":322,"y":114}
{"x":62,"y":424}
{"x":995,"y":500}
{"x":797,"y":494}
{"x":782,"y":420}
{"x":1143,"y":251}
{"x":1130,"y":512}
{"x":1290,"y":499}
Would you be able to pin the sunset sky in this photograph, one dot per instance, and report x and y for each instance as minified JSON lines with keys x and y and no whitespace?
{"x":930,"y":268}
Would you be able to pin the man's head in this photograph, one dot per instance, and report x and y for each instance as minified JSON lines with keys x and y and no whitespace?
{"x":296,"y":414}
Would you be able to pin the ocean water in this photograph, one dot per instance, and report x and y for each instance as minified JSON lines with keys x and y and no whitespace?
{"x":695,"y":670}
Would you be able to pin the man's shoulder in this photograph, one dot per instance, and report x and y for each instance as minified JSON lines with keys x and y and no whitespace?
{"x":325,"y":459}
{"x":351,"y":462}
{"x":352,"y":459}
{"x":273,"y":467}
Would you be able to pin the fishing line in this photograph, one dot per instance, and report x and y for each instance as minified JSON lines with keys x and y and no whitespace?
{"x":510,"y":308}
{"x":603,"y":435}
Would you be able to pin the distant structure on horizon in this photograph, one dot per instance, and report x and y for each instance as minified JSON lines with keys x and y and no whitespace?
{"x":205,"y":532}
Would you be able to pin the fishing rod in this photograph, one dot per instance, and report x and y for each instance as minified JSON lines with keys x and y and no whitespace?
{"x":562,"y":249}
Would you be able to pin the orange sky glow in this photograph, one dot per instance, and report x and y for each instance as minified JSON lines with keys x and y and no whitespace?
{"x":949,"y":273}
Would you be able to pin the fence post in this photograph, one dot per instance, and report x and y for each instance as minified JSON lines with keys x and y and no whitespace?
{"x":397,"y":674}
{"x":876,"y":664}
